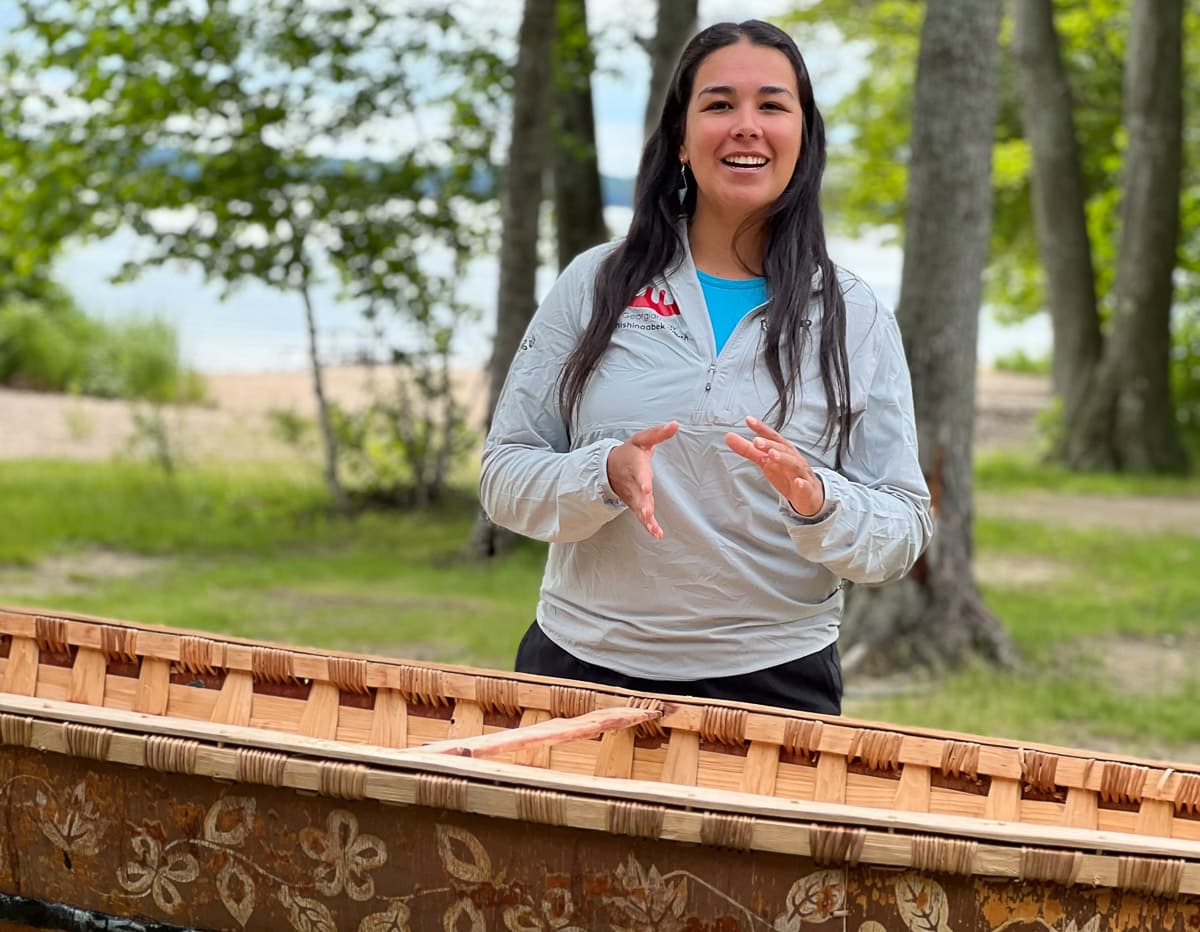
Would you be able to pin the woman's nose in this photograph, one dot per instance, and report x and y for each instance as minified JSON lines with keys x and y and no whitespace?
{"x":747,"y":127}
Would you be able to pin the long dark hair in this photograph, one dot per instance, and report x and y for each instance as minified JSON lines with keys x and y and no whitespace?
{"x":795,"y":243}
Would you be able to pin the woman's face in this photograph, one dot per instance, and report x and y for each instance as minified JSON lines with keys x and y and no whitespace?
{"x":743,"y":130}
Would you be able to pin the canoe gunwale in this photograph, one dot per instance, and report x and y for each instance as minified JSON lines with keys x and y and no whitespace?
{"x":831,"y":833}
{"x":360,"y":728}
{"x":215,"y":652}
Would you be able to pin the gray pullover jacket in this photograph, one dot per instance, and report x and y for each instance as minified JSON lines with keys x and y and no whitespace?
{"x":740,"y":581}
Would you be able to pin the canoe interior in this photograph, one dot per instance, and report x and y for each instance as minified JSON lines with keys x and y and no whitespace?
{"x":176,"y":729}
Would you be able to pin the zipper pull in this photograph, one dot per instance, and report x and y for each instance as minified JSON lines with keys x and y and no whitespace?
{"x":711,"y":370}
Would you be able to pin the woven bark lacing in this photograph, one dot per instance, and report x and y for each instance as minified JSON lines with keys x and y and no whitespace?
{"x":637,"y":819}
{"x":727,"y":831}
{"x":1061,"y":867}
{"x":836,"y":845}
{"x":944,"y":855}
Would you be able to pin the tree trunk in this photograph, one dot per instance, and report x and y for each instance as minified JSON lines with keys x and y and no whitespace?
{"x":329,"y":444}
{"x":1129,"y":421}
{"x":578,"y":204}
{"x":675,"y":25}
{"x":935,"y":617}
{"x":520,"y":206}
{"x":1059,"y":198}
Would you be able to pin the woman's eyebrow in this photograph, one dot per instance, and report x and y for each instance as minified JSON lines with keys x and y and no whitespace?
{"x":766,"y":89}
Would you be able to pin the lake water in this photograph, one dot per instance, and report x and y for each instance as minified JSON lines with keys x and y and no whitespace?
{"x":259,"y":328}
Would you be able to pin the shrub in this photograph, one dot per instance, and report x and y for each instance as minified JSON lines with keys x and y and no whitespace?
{"x":53,"y":346}
{"x":1021,"y":362}
{"x":1185,"y":375}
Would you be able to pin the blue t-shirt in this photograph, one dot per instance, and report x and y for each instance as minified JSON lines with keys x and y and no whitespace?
{"x":729,"y":300}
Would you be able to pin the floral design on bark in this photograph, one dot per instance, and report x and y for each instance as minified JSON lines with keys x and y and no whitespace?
{"x":149,"y":872}
{"x":557,"y":909}
{"x":815,"y":898}
{"x":923,"y":904}
{"x":651,"y":902}
{"x":346,"y":857}
{"x":394,"y":920}
{"x":74,"y":825}
{"x":305,"y":914}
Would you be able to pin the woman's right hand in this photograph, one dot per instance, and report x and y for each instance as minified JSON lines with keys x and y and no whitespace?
{"x":631,"y":475}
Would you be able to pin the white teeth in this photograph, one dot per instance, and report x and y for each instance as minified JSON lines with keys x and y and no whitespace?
{"x":746,"y":161}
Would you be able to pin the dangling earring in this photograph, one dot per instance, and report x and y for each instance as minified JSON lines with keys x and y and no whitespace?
{"x":683,"y":179}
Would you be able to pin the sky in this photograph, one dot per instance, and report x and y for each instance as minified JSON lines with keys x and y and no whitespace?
{"x":257,"y":328}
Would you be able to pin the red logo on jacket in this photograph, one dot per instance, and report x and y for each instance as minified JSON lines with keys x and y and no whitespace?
{"x":655,"y":299}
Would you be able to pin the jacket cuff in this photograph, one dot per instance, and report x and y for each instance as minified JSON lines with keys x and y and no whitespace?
{"x":603,"y":490}
{"x":827,"y":511}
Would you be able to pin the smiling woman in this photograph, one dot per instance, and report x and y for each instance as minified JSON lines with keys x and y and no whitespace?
{"x":687,"y":557}
{"x":741,"y":147}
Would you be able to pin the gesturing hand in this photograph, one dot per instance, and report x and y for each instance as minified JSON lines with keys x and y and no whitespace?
{"x":631,"y":475}
{"x":783,"y":465}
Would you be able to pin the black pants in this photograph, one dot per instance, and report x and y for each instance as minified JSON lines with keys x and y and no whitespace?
{"x":810,"y":684}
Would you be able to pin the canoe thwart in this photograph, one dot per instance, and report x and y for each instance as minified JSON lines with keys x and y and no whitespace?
{"x":548,"y":733}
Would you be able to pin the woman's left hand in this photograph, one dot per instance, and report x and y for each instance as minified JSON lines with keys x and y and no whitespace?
{"x":783,"y":465}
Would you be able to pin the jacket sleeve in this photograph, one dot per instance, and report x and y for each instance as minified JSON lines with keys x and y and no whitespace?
{"x":876,"y":520}
{"x":532,"y":481}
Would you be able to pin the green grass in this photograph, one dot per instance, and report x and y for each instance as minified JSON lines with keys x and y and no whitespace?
{"x":258,"y":556}
{"x":999,"y":472}
{"x":254,"y":553}
{"x":1021,"y":362}
{"x":1107,"y":582}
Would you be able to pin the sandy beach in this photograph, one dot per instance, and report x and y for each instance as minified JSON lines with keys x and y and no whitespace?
{"x":235,"y":423}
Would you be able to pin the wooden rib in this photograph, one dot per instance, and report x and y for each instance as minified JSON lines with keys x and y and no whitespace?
{"x":153,"y":686}
{"x":87,"y":677}
{"x":682,"y":765}
{"x":555,"y":731}
{"x":537,"y":755}
{"x":1082,"y":809}
{"x":467,"y":721}
{"x":761,"y":768}
{"x":389,"y":723}
{"x":1156,"y":817}
{"x":831,"y":778}
{"x":21,"y":676}
{"x":1003,"y":800}
{"x":913,"y":791}
{"x":615,"y":757}
{"x":233,"y":702}
{"x":320,"y":716}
